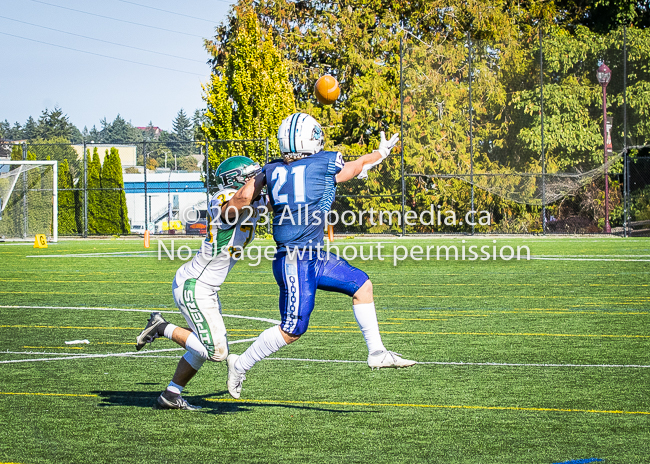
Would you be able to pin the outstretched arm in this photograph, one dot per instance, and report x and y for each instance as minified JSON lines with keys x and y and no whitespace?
{"x":354,"y":168}
{"x":360,"y":167}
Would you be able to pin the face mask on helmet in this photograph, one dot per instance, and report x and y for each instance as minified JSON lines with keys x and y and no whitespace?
{"x":299,"y":136}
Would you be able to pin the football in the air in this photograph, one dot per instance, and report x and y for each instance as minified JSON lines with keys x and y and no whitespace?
{"x":327,"y":90}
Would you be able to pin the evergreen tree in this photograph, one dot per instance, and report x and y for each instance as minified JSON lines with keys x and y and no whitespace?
{"x":118,"y":131}
{"x":94,"y":135}
{"x":58,"y":149}
{"x":249,"y":91}
{"x":47,"y":196}
{"x":66,"y":203}
{"x":36,"y":221}
{"x":54,"y":124}
{"x":181,"y":136}
{"x":15,"y":133}
{"x":114,"y":212}
{"x":94,"y":194}
{"x":198,"y":120}
{"x":182,"y":127}
{"x":13,"y":217}
{"x":17,"y":153}
{"x":30,"y":131}
{"x":122,"y":219}
{"x":4,"y":129}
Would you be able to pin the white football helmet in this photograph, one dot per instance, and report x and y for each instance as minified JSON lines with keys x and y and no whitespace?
{"x":299,"y":136}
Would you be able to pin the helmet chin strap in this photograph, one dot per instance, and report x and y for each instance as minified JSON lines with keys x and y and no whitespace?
{"x":289,"y":157}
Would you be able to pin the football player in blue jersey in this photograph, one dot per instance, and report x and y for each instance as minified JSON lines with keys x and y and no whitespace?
{"x":301,"y":188}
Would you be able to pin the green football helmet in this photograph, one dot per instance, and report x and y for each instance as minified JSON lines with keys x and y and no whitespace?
{"x":235,"y":172}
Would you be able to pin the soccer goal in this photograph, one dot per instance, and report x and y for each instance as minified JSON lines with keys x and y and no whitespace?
{"x":28,"y":200}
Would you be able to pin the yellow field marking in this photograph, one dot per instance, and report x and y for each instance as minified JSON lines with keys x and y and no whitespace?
{"x":477,"y":314}
{"x":85,"y":293}
{"x":165,"y":282}
{"x":505,"y":334}
{"x":114,"y":343}
{"x":635,"y":300}
{"x":25,"y":326}
{"x":489,"y":297}
{"x":48,"y":394}
{"x":431,"y":406}
{"x":57,"y":347}
{"x":522,"y":334}
{"x":239,"y":330}
{"x":447,"y":284}
{"x":569,"y":311}
{"x":422,"y":319}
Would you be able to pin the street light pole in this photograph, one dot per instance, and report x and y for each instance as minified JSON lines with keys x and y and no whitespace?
{"x":604,"y":74}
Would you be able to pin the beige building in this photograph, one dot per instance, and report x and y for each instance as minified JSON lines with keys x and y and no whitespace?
{"x":128,"y":153}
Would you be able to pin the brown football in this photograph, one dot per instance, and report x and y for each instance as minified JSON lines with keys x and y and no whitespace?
{"x":327,"y":89}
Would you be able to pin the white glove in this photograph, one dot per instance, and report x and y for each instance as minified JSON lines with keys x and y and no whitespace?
{"x":385,"y":146}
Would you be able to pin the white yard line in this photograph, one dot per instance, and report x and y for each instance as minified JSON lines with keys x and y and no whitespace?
{"x":124,"y":254}
{"x":489,"y":364}
{"x":593,"y":256}
{"x":154,"y":353}
{"x":141,"y":354}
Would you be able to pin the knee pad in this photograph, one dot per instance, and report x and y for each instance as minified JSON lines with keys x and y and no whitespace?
{"x":219,"y":350}
{"x":193,"y":360}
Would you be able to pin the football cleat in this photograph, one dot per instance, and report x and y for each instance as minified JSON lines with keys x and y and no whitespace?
{"x":235,"y":379}
{"x":150,"y":332}
{"x":386,"y":358}
{"x":168,"y":400}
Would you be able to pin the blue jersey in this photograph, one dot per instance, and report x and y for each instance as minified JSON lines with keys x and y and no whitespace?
{"x":301,"y":194}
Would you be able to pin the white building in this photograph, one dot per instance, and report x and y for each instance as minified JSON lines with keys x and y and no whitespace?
{"x":181,"y":192}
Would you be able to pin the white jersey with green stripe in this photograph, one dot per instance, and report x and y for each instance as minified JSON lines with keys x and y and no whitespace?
{"x":225,"y":243}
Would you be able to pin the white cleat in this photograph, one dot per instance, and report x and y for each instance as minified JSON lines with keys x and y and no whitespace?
{"x":235,"y":379}
{"x":386,"y":358}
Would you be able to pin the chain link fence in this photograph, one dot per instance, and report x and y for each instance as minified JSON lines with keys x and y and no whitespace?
{"x":496,"y":137}
{"x":527,"y":135}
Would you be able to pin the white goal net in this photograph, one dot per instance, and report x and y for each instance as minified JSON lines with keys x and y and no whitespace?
{"x":28,"y":199}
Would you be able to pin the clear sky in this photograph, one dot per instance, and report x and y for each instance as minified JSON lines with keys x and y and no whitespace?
{"x":117,"y":62}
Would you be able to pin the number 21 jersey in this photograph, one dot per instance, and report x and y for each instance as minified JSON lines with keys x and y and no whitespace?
{"x":301,"y":194}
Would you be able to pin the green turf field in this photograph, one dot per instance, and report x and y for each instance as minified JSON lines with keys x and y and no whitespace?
{"x":539,"y":361}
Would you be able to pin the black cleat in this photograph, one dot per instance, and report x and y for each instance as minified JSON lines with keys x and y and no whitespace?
{"x":150,"y":332}
{"x":168,"y":400}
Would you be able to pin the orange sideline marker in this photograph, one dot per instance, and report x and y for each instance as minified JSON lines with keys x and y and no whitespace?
{"x":146,"y":239}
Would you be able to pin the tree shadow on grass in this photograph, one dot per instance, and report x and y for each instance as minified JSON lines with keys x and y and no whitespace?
{"x":147,"y":399}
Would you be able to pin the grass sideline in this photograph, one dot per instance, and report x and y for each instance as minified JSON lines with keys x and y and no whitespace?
{"x":540,"y":361}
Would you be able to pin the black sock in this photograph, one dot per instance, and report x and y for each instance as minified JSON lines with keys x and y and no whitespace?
{"x":161,"y":329}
